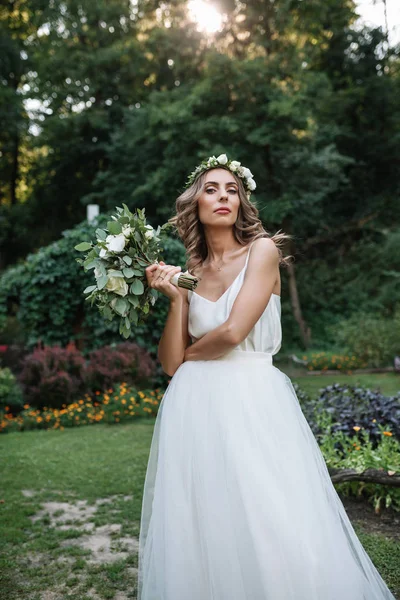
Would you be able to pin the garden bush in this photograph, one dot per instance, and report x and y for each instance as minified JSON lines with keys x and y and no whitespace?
{"x":374,"y":340}
{"x":52,"y":376}
{"x":10,"y":391}
{"x":126,"y":361}
{"x":12,"y":355}
{"x":353,"y":409}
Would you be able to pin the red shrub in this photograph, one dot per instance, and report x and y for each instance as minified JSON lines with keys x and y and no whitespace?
{"x":52,"y":376}
{"x":126,"y":362}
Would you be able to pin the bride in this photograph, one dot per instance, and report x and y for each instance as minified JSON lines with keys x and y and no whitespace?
{"x":238,"y":503}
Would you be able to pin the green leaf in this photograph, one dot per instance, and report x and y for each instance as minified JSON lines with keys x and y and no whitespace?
{"x":107,"y":313}
{"x":114,"y":227}
{"x":134,"y":300}
{"x":83,"y":246}
{"x":137,"y":236}
{"x":89,"y":289}
{"x":121,"y":307}
{"x":115,"y":273}
{"x":102,"y":282}
{"x":137,"y":287}
{"x":133,"y":316}
{"x":128,"y":272}
{"x":90,"y":264}
{"x":142,"y":263}
{"x":127,"y":259}
{"x":127,"y":323}
{"x":101,"y":234}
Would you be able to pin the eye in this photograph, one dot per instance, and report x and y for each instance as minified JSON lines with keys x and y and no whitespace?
{"x":210,"y":190}
{"x":233,"y":190}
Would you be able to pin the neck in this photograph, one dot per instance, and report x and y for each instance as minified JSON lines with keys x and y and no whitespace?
{"x":221,"y":246}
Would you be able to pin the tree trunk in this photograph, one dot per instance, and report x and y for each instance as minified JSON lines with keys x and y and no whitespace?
{"x":305,"y":330}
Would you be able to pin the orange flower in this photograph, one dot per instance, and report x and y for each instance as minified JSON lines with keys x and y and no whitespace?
{"x":387,"y":433}
{"x":356,"y":428}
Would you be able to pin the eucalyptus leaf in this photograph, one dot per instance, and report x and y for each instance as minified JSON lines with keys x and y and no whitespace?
{"x":115,"y":273}
{"x":90,"y":289}
{"x":107,"y":312}
{"x":128,"y":272}
{"x":127,"y":259}
{"x":101,"y":234}
{"x":90,"y":264}
{"x":137,"y":287}
{"x":121,"y":307}
{"x":133,"y":316}
{"x":102,"y":282}
{"x":134,"y":300}
{"x":83,"y":246}
{"x":114,"y":227}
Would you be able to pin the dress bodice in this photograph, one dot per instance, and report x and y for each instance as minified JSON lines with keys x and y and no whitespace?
{"x":205,"y":315}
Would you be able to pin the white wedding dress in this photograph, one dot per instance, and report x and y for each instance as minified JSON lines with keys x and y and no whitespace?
{"x":238,"y":503}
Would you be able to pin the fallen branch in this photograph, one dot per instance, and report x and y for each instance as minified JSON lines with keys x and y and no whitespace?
{"x":368,"y":476}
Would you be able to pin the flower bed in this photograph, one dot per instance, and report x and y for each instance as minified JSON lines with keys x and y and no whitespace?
{"x":117,"y":405}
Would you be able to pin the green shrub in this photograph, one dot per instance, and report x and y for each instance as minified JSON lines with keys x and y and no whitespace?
{"x":372,"y":339}
{"x":10,"y":391}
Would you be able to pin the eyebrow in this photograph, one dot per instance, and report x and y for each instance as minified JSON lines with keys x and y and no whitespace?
{"x":216,"y":183}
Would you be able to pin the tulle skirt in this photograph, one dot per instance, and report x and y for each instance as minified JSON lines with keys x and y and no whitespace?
{"x":238,"y":503}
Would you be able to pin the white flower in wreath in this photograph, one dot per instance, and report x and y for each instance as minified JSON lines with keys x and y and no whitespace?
{"x":234,"y":166}
{"x":115,"y":243}
{"x":246,"y":172}
{"x":222,"y":159}
{"x":251,"y":184}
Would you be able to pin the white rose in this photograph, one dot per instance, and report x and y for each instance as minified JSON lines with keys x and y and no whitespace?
{"x":127,"y":231}
{"x":149,"y":235}
{"x":222,"y":159}
{"x":251,"y":184}
{"x":117,"y":285}
{"x":234,"y":165}
{"x":115,"y":243}
{"x":97,"y":272}
{"x":103,"y":253}
{"x":148,"y":227}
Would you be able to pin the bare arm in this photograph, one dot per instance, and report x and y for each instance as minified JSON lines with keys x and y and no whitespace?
{"x":251,"y":301}
{"x":175,"y":336}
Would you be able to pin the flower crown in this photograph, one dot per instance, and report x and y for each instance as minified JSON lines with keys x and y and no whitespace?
{"x":233,"y":165}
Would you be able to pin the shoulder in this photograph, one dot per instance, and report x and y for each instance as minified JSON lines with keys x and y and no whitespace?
{"x":264,"y":250}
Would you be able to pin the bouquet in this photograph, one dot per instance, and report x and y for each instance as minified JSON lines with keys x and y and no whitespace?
{"x":119,"y":257}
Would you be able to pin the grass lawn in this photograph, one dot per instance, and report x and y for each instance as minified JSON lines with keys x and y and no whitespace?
{"x":70,"y":505}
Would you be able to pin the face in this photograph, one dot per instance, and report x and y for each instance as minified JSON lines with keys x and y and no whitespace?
{"x":220,"y":191}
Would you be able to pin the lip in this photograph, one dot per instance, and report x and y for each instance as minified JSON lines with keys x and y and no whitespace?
{"x":224,"y":211}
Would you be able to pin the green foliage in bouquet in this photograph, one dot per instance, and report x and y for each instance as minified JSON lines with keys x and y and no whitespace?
{"x":119,"y":258}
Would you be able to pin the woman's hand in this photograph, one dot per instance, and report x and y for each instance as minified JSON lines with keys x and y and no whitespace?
{"x":158,"y":276}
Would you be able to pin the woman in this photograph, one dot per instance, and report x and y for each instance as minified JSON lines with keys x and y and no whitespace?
{"x":238,"y":503}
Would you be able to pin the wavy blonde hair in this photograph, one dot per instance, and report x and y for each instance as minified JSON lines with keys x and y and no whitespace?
{"x":247,"y":227}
